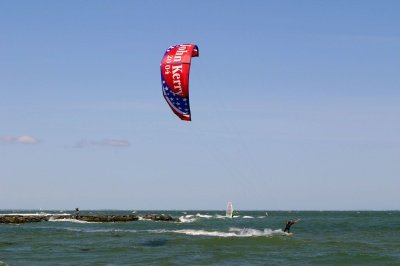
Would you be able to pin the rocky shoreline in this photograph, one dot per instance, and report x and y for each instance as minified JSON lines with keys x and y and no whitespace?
{"x":34,"y":218}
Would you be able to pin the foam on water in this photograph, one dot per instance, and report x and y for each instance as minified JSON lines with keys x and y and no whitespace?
{"x":219,"y":216}
{"x":246,"y":232}
{"x":233,"y":232}
{"x":204,"y":233}
{"x":187,"y":219}
{"x":70,"y":220}
{"x":204,"y":215}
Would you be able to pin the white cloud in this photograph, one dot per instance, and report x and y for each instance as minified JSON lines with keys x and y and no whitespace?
{"x":119,"y":143}
{"x":19,"y":139}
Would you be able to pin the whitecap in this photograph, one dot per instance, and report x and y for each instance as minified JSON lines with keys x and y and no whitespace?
{"x":233,"y":232}
{"x":203,"y":215}
{"x":187,"y":219}
{"x":246,"y":232}
{"x":204,"y":233}
{"x":70,"y":220}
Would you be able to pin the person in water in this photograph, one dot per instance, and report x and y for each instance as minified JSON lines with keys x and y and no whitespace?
{"x":76,"y":212}
{"x":289,"y":224}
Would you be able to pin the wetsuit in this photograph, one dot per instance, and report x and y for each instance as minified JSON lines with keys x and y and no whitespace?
{"x":288,"y":225}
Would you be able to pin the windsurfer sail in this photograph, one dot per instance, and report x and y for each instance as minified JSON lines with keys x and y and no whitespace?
{"x":229,"y":210}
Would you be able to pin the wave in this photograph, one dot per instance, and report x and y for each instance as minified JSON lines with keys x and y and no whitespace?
{"x":193,"y":232}
{"x":233,"y":232}
{"x":187,"y":219}
{"x":70,"y":220}
{"x":204,"y":215}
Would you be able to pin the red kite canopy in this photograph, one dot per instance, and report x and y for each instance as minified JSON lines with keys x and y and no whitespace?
{"x":175,"y":68}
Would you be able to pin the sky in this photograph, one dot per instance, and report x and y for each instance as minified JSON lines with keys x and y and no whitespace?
{"x":295,"y":105}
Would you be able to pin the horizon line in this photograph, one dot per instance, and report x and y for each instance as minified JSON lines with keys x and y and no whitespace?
{"x":272,"y":210}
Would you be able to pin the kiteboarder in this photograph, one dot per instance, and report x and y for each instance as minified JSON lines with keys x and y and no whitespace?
{"x":289,"y":224}
{"x":76,"y":212}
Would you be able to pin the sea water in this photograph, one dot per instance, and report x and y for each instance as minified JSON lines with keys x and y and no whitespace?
{"x":208,"y":238}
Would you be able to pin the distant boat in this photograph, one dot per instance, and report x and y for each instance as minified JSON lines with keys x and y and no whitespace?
{"x":229,"y":210}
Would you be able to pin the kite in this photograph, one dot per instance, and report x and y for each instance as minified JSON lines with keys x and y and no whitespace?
{"x":175,"y":69}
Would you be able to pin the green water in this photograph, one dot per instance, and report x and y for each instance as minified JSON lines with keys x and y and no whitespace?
{"x":208,"y":238}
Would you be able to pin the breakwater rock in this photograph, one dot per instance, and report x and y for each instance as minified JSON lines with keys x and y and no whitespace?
{"x":34,"y":218}
{"x":160,"y":217}
{"x":20,"y":219}
{"x":106,"y":218}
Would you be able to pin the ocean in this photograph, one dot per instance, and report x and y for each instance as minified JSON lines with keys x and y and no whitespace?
{"x":208,"y":238}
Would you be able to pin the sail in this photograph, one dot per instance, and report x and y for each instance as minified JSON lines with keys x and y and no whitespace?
{"x":229,"y":210}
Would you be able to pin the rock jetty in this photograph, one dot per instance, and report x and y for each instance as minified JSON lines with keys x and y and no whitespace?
{"x":34,"y":218}
{"x":160,"y":217}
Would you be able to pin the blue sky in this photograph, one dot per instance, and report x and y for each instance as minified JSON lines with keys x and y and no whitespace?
{"x":295,"y":105}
